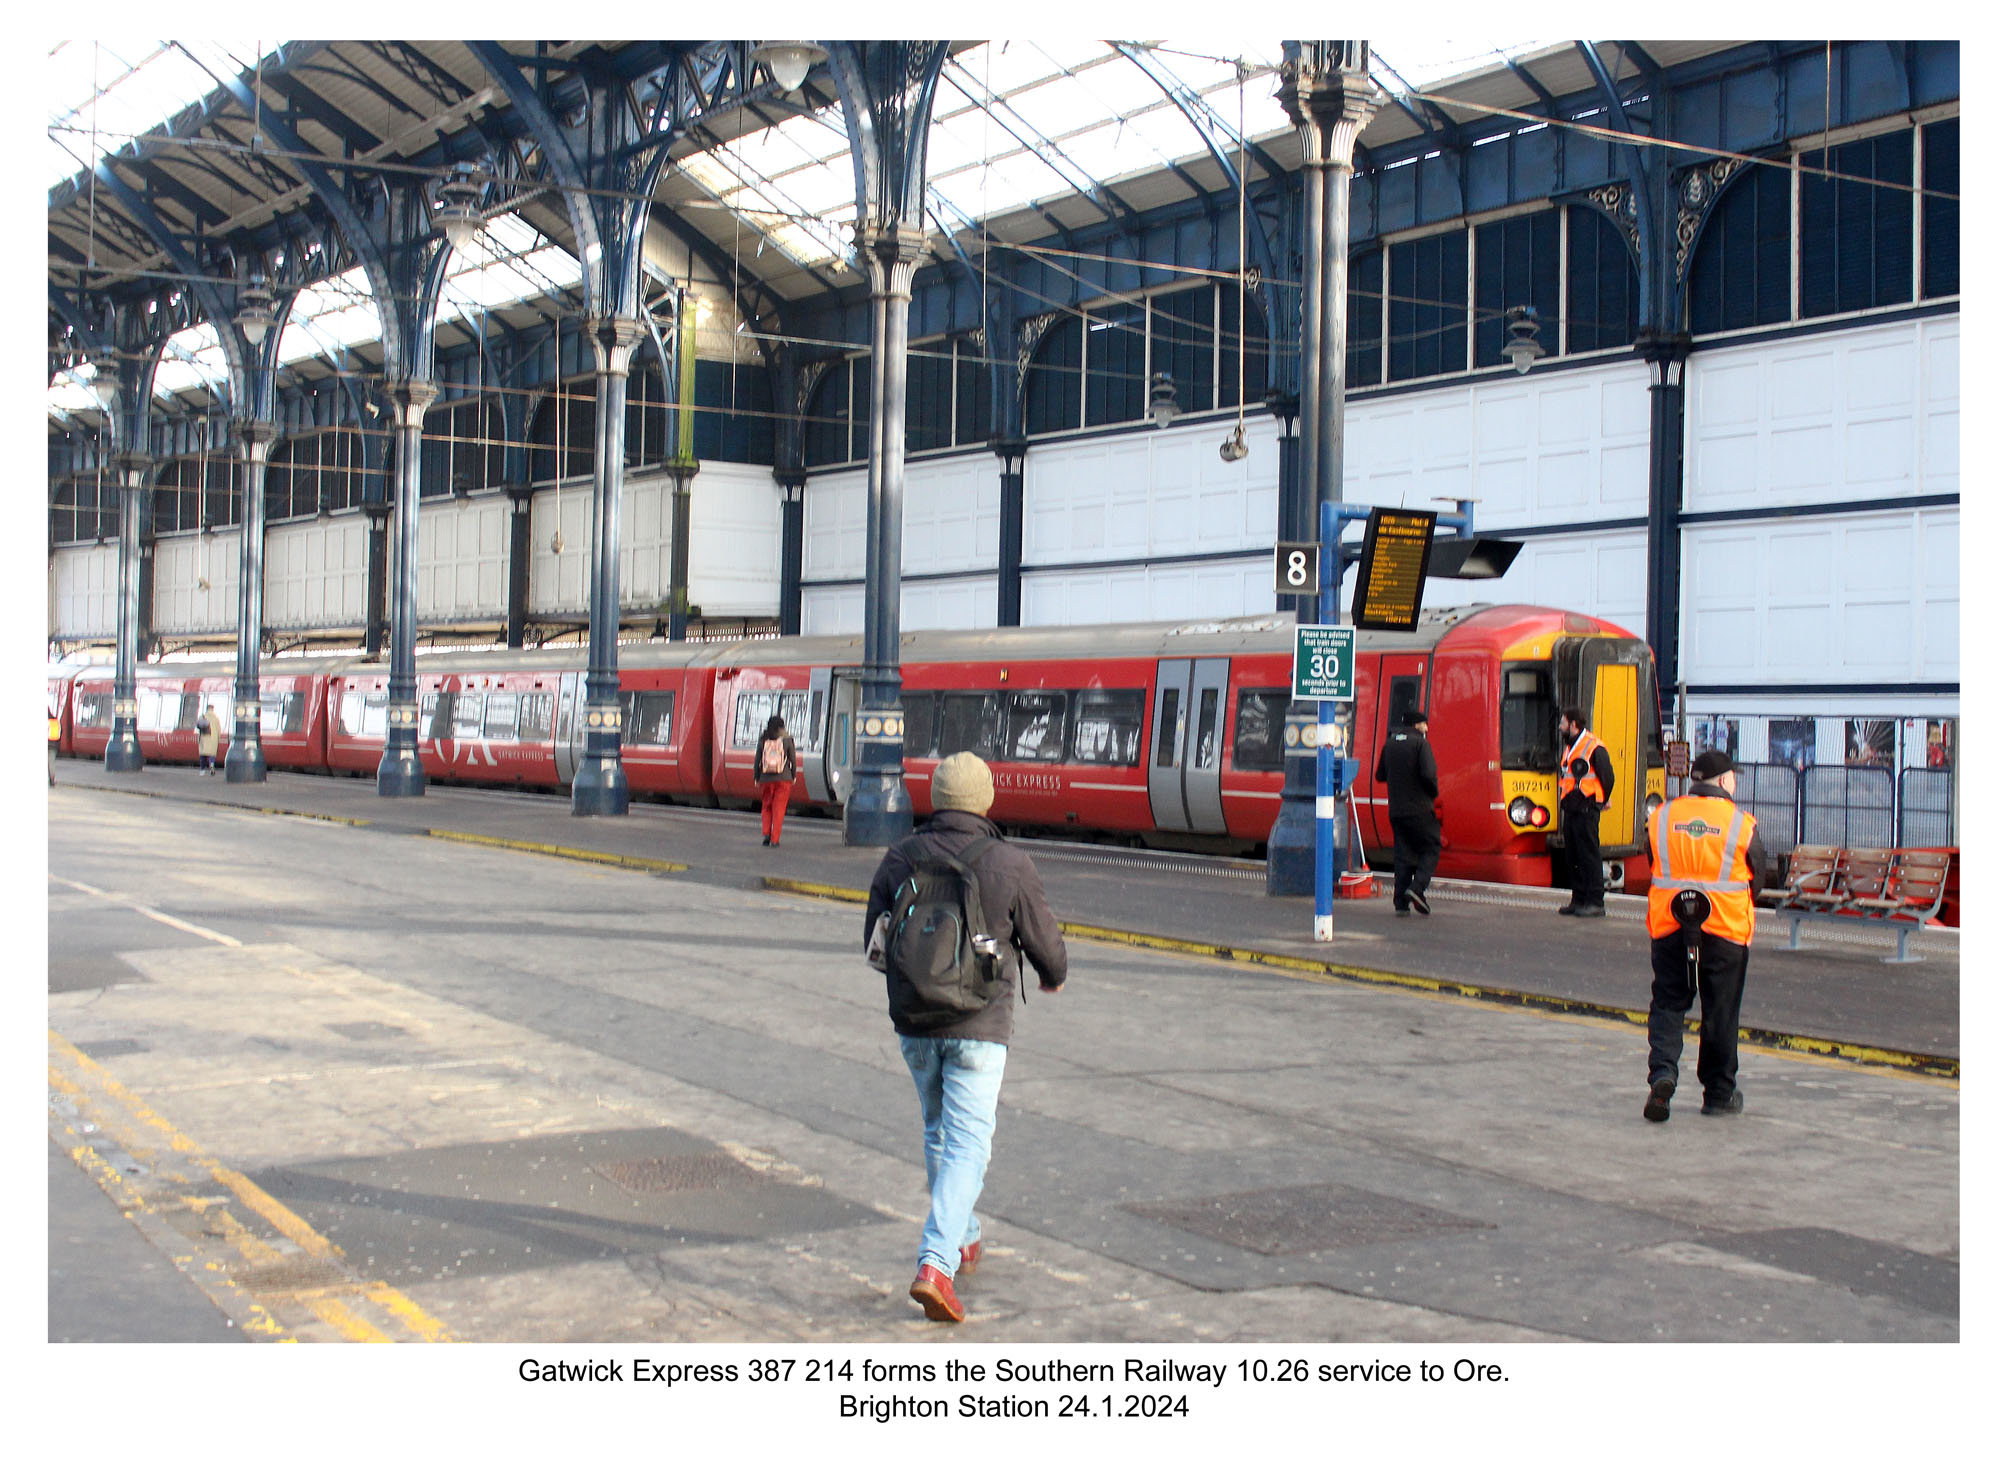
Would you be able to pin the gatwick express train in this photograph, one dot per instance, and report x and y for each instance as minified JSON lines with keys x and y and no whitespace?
{"x":1168,"y":735}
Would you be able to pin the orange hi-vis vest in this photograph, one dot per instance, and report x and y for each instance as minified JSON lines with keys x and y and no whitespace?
{"x":1585,"y":747}
{"x":55,"y":729}
{"x":1703,"y":842}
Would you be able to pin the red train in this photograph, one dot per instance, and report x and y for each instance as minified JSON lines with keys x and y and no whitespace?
{"x":1170,"y":734}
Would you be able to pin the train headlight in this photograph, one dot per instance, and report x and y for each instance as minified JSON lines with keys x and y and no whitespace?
{"x":1520,"y":811}
{"x":1652,"y":802}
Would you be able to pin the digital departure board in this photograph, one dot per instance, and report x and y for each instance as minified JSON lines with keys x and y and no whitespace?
{"x":1394,"y":558}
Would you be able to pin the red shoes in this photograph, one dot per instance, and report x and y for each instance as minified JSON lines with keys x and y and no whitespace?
{"x":968,"y":1258}
{"x":932,"y":1288}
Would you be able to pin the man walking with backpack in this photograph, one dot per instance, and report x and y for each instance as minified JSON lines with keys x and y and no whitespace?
{"x":951,"y":912}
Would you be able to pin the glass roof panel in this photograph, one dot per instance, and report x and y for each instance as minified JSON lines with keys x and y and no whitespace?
{"x":119,"y":89}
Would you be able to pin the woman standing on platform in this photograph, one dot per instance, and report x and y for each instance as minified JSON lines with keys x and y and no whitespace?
{"x":777,"y":768}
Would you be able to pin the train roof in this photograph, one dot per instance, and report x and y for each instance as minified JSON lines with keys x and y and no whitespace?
{"x":1250,"y":634}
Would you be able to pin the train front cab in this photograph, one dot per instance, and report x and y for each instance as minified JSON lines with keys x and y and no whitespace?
{"x":1610,"y":676}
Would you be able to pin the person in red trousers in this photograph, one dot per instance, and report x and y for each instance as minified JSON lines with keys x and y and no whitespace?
{"x":777,"y":768}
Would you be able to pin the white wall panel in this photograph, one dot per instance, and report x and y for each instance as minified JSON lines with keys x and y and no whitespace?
{"x":734,"y":540}
{"x":1535,"y":449}
{"x":1874,"y":597}
{"x":315,"y":574}
{"x":559,"y":583}
{"x":1857,"y":413}
{"x":830,"y":610}
{"x":1139,"y":593}
{"x":85,"y":591}
{"x":181,"y":565}
{"x":951,"y":514}
{"x":1601,"y":574}
{"x":461,"y":558}
{"x":836,"y":525}
{"x":1148,"y":494}
{"x":960,"y":603}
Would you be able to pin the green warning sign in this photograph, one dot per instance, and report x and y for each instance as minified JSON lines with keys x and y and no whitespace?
{"x":1323,"y":662}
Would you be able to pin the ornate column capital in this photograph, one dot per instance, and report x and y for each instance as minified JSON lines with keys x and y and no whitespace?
{"x":615,"y":337}
{"x":892,"y":255}
{"x":1327,"y":92}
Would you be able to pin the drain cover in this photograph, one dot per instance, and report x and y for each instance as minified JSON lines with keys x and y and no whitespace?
{"x":685,"y":1172}
{"x":105,"y":1049}
{"x":1283,"y":1220}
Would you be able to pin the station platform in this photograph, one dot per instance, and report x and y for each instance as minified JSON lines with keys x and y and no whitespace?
{"x":465,"y":1066}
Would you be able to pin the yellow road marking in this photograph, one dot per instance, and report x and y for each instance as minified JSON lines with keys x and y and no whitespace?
{"x":69,"y":1068}
{"x":550,"y":849}
{"x":1937,"y":1068}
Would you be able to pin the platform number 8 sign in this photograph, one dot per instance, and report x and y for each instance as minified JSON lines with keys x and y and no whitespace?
{"x":1298,"y":569}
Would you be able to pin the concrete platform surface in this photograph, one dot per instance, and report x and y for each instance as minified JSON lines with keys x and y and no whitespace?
{"x":424,"y":1088}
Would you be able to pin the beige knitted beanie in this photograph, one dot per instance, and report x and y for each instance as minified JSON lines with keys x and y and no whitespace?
{"x":963,"y":783}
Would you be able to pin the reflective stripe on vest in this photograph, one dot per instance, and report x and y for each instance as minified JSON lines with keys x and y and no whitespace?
{"x":1586,"y":746}
{"x":1726,"y":881}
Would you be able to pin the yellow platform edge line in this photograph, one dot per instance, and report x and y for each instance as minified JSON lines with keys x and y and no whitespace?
{"x":253,"y":1197}
{"x":1935,"y":1067}
{"x":551,"y":849}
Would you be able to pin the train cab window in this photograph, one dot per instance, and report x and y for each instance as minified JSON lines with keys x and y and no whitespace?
{"x":1207,"y":730}
{"x":1035,"y":726}
{"x":792,"y":707}
{"x":649,"y":717}
{"x":1168,"y":749}
{"x":468,"y":715}
{"x":1109,"y":724}
{"x":971,"y":723}
{"x":434,"y":714}
{"x":502,"y":721}
{"x":537,"y":711}
{"x":1406,"y":693}
{"x":754,"y":709}
{"x":1529,"y":722}
{"x":919,"y":721}
{"x":1260,"y":730}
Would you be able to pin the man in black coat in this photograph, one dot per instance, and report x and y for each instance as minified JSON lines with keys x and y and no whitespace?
{"x":1584,"y":788}
{"x":1409,"y":771}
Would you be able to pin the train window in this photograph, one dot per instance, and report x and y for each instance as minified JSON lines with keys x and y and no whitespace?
{"x":1108,"y":727}
{"x":649,"y":717}
{"x":1260,"y":730}
{"x":190,"y":709}
{"x":435,"y":714}
{"x":282,"y":712}
{"x":1206,"y":731}
{"x":221,"y":710}
{"x":1406,"y":693}
{"x":970,"y":723}
{"x":468,"y":714}
{"x":502,"y":721}
{"x":754,"y":709}
{"x":1528,"y":719}
{"x":353,"y":712}
{"x":919,"y":722}
{"x":151,"y":704}
{"x":375,"y":715}
{"x":93,"y":708}
{"x":1035,"y":725}
{"x":1168,"y":738}
{"x":536,"y":713}
{"x":792,"y":706}
{"x":810,"y":736}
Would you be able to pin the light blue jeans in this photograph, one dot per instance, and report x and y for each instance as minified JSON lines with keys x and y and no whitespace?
{"x":958,"y":1085}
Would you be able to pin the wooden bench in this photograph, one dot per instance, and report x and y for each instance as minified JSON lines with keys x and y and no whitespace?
{"x":1866,"y":884}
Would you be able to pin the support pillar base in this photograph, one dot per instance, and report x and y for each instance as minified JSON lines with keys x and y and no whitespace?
{"x":245,"y":761}
{"x":1291,"y":852}
{"x":401,"y":773}
{"x":878,"y":813}
{"x":599,"y":789}
{"x":122,"y":752}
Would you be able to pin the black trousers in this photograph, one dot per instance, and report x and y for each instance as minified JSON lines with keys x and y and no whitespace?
{"x":1417,"y":845}
{"x":1580,"y":847}
{"x":1722,"y":968}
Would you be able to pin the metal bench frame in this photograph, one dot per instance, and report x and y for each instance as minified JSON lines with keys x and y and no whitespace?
{"x":1865,"y":885}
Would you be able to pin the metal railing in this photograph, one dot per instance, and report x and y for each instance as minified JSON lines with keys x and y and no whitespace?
{"x":1847,"y":806}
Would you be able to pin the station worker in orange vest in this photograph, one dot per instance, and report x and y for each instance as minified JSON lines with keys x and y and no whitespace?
{"x":1702,"y":844}
{"x":1584,"y":790}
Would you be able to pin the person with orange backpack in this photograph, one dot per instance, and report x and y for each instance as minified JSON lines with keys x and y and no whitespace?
{"x":777,"y":769}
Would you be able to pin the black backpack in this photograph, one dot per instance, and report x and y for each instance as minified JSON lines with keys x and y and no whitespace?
{"x":941,"y":963}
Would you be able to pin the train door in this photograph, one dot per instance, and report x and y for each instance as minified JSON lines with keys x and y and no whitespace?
{"x":569,"y":727}
{"x":813,"y":740}
{"x":1184,"y":774}
{"x":837,"y":747}
{"x":1399,"y":688}
{"x":1615,"y":717}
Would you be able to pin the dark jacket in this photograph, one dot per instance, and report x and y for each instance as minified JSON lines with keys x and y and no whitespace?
{"x":791,"y":759}
{"x":1600,"y":762}
{"x":1017,"y":915}
{"x":1753,"y":855}
{"x":1409,"y":770}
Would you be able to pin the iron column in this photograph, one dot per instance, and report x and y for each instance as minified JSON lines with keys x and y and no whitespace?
{"x":245,"y":761}
{"x":791,"y":546}
{"x":1329,"y":97}
{"x":1666,"y":360}
{"x":599,"y":789}
{"x":878,"y":811}
{"x":401,"y":772}
{"x":122,"y":752}
{"x":1013,"y":454}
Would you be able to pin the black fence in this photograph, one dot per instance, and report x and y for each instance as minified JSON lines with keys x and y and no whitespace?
{"x":1847,"y":806}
